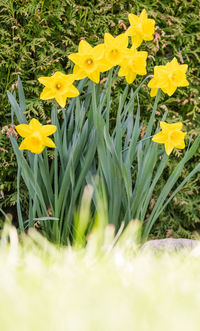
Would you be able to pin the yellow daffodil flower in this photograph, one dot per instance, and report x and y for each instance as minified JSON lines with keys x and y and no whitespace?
{"x":133,"y":64}
{"x":88,"y":61}
{"x":58,"y":86}
{"x":115,"y":49}
{"x":142,"y":28}
{"x":36,"y":136}
{"x":170,"y":135}
{"x":168,"y":77}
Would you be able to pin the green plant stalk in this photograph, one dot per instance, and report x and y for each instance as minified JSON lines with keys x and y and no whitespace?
{"x":151,"y":121}
{"x":19,"y":213}
{"x":35,"y":199}
{"x":108,"y":87}
{"x":55,"y":224}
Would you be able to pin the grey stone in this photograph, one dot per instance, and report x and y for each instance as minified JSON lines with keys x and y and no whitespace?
{"x":171,"y":244}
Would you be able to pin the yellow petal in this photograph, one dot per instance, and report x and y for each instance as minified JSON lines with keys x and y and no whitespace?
{"x":164,"y":126}
{"x":171,"y":127}
{"x":160,"y":70}
{"x":160,"y":79}
{"x":168,"y":148}
{"x":35,"y":124}
{"x":122,"y":71}
{"x":47,"y":81}
{"x":67,"y":89}
{"x":130,"y":31}
{"x":177,"y":138}
{"x":37,"y":149}
{"x":108,"y":39}
{"x":137,"y":40}
{"x":175,"y":126}
{"x":173,"y":63}
{"x":98,"y":51}
{"x":71,"y":92}
{"x":170,"y":89}
{"x":159,"y":137}
{"x":84,"y":47}
{"x":143,"y":54}
{"x":138,"y":63}
{"x":152,"y":83}
{"x":143,"y":15}
{"x":94,"y":76}
{"x":58,"y":75}
{"x":69,"y":79}
{"x":104,"y":66}
{"x":153,"y":92}
{"x":75,"y":57}
{"x":148,"y":28}
{"x":183,"y":67}
{"x":61,"y":99}
{"x":49,"y":142}
{"x":122,"y":40}
{"x":180,"y":144}
{"x":130,"y":77}
{"x":133,"y":19}
{"x":24,"y":144}
{"x":184,"y":83}
{"x":178,"y":78}
{"x":79,"y":73}
{"x":47,"y":130}
{"x":47,"y":93}
{"x":23,"y":130}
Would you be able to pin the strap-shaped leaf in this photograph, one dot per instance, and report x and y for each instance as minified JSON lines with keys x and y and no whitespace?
{"x":22,"y":101}
{"x":16,"y":109}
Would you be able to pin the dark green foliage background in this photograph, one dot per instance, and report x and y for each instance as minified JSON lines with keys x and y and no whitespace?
{"x":38,"y":35}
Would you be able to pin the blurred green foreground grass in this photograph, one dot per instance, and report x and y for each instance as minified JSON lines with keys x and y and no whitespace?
{"x":47,"y":288}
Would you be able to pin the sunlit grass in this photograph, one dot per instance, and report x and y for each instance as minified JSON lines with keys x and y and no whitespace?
{"x":47,"y":288}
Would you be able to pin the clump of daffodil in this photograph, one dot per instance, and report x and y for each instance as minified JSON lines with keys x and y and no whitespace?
{"x":168,"y":77}
{"x":36,"y":136}
{"x":141,"y":28}
{"x":133,"y":64}
{"x":58,"y":86}
{"x":89,"y":61}
{"x":171,"y":136}
{"x":115,"y":49}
